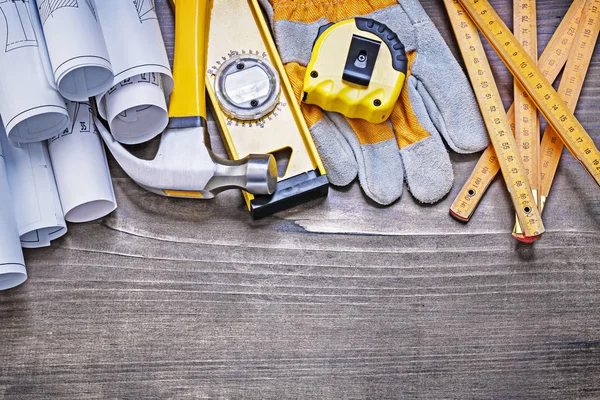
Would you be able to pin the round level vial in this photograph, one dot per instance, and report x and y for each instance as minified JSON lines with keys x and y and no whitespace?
{"x":247,"y":87}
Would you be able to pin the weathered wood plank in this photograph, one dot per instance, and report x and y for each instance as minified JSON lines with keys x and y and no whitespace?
{"x":334,"y":299}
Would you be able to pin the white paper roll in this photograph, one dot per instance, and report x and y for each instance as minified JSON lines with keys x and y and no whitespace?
{"x":80,"y":167}
{"x":144,"y":50}
{"x":136,"y":109}
{"x":37,"y":207}
{"x":32,"y":110}
{"x":12,"y":264}
{"x":80,"y":60}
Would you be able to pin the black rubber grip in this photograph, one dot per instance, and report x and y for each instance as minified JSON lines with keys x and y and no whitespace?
{"x":290,"y":193}
{"x":389,"y":37}
{"x":322,"y":30}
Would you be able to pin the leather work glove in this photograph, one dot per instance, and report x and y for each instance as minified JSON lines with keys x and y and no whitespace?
{"x":437,"y":99}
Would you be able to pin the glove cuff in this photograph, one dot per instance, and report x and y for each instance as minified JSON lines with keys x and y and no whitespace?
{"x":309,"y":11}
{"x":415,"y":11}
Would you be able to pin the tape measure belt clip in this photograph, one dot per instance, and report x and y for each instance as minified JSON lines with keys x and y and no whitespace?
{"x":361,"y":60}
{"x":350,"y":72}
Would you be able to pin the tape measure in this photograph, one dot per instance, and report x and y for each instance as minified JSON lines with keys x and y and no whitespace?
{"x":570,"y":88}
{"x":358,"y":67}
{"x":495,"y":118}
{"x":525,"y":70}
{"x":551,"y":63}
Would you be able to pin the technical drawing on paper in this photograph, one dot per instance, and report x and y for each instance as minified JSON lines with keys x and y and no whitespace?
{"x":82,"y":118}
{"x":19,"y":25}
{"x":90,"y":4}
{"x":146,"y":9}
{"x":47,"y":8}
{"x":152,"y":78}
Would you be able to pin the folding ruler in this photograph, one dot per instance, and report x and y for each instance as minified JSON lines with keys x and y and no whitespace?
{"x":551,"y":62}
{"x":569,"y":90}
{"x":525,"y":70}
{"x":496,"y":120}
{"x":527,"y":121}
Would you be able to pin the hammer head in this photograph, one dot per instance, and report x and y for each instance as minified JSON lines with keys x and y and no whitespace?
{"x":185,"y":167}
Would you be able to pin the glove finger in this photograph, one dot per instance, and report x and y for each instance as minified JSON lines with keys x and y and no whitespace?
{"x":294,"y":38}
{"x":268,"y":9}
{"x":444,"y":87}
{"x":380,"y":171}
{"x":427,"y":167}
{"x":428,"y":170}
{"x":336,"y":154}
{"x":465,"y":131}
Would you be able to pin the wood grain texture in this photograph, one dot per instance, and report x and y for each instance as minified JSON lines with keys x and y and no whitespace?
{"x":334,"y":299}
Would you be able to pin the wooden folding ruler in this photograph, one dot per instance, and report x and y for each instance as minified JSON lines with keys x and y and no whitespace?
{"x":496,"y":120}
{"x":527,"y":121}
{"x":525,"y":70}
{"x":570,"y":88}
{"x":551,"y":62}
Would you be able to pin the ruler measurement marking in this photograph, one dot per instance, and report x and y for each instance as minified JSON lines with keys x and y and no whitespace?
{"x":497,"y":123}
{"x":570,"y":89}
{"x":556,"y":112}
{"x":527,"y":123}
{"x":527,"y":130}
{"x":551,"y":62}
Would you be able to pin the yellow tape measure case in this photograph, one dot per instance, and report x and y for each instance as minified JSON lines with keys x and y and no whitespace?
{"x":358,"y":68}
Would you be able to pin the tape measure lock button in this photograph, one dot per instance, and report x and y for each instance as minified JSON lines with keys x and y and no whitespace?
{"x":247,"y":87}
{"x":358,"y":67}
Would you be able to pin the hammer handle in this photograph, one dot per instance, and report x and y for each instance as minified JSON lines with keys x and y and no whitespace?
{"x":192,"y":24}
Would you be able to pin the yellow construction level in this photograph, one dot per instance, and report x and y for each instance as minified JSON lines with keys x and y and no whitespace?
{"x":255,"y":107}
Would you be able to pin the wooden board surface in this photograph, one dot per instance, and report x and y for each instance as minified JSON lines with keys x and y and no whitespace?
{"x":334,"y":299}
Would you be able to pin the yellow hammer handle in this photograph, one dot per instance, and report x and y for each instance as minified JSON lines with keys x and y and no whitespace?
{"x":192,"y":24}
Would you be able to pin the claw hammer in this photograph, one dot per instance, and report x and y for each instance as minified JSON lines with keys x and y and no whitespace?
{"x":184,"y":166}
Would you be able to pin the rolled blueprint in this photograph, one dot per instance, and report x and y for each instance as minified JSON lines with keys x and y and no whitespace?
{"x":80,"y":62}
{"x":12,"y":265}
{"x":32,"y":110}
{"x":37,"y":207}
{"x":135,"y":107}
{"x":80,"y":167}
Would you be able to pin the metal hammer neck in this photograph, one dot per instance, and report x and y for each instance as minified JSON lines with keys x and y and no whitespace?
{"x":186,"y":122}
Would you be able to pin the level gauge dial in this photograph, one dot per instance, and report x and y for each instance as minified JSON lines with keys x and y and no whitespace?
{"x":247,"y":87}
